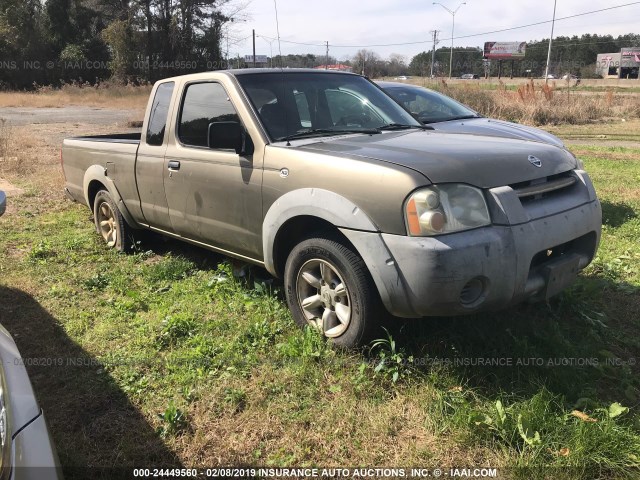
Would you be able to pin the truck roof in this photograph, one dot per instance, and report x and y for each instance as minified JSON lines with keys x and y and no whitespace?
{"x":261,"y":71}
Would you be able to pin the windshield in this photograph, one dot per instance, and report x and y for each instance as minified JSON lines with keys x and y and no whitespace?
{"x":293,"y":104}
{"x":429,"y":106}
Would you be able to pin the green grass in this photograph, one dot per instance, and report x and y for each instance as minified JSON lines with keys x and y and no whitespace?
{"x":168,"y":359}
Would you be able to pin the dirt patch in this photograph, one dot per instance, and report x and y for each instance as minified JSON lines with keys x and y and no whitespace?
{"x":9,"y":189}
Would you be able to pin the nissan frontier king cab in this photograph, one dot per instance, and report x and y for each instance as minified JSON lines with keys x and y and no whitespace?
{"x":326,"y":182}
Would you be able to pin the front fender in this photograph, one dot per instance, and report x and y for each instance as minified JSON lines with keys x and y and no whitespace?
{"x":312,"y":202}
{"x":100,"y":174}
{"x":353,"y":223}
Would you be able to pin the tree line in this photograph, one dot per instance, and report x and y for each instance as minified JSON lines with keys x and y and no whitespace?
{"x":574,"y":55}
{"x":130,"y":40}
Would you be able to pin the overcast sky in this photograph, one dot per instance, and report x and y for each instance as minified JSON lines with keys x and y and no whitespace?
{"x":371,"y":22}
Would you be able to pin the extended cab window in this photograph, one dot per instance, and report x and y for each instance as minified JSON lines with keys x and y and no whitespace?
{"x":159,"y":113}
{"x":204,"y":103}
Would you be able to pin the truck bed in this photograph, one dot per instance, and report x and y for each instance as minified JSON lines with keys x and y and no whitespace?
{"x":115,"y":153}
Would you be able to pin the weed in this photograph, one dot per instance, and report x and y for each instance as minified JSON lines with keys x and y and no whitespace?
{"x":99,"y":281}
{"x":392,"y":363}
{"x":41,"y":252}
{"x":235,"y":398}
{"x":169,"y":269}
{"x":176,"y":328}
{"x":309,"y":344}
{"x":173,"y":420}
{"x":262,"y":333}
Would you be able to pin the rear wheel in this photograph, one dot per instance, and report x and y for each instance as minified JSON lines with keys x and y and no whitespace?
{"x":328,"y":287}
{"x":110,"y":223}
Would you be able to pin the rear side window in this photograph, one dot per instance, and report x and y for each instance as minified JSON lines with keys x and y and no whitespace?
{"x":159,"y":114}
{"x":204,"y":103}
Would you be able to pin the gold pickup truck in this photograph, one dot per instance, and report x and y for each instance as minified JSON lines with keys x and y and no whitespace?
{"x":324,"y":180}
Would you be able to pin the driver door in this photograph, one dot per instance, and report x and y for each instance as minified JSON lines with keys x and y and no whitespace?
{"x":214,"y":195}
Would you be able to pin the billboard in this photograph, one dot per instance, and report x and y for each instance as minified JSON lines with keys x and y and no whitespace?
{"x":632,"y":54}
{"x":505,"y":50}
{"x":259,"y":59}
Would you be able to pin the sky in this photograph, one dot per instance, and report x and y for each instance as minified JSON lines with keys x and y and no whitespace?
{"x":346,"y":24}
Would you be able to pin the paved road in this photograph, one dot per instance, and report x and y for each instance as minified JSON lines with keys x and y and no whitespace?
{"x":68,"y":114}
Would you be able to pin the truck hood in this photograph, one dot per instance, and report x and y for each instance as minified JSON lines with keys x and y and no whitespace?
{"x":497,"y":128}
{"x":483,"y":161}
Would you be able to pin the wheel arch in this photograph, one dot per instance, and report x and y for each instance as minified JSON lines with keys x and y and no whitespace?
{"x":96,"y":179}
{"x":300,"y":212}
{"x":295,"y":215}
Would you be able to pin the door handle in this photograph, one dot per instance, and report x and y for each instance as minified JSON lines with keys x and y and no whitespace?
{"x":174,"y":165}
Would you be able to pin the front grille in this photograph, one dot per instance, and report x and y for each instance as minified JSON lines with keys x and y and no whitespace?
{"x":543,"y":187}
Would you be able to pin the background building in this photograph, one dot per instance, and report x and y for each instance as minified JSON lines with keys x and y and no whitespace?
{"x":624,"y":64}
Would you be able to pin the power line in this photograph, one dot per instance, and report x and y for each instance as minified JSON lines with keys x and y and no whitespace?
{"x":549,"y":21}
{"x":462,"y":36}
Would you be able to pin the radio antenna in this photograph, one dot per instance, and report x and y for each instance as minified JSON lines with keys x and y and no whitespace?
{"x":275,"y":4}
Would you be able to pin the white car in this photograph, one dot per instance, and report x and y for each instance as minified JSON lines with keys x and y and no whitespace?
{"x":26,"y":447}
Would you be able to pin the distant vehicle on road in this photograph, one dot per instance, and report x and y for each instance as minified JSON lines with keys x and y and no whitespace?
{"x":550,"y":77}
{"x":402,"y":77}
{"x":469,"y":76}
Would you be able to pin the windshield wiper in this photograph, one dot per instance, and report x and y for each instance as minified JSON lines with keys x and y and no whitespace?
{"x":314,"y":132}
{"x":401,"y":126}
{"x":449,"y":119}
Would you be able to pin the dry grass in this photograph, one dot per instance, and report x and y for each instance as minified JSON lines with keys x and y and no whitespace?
{"x":540,"y":104}
{"x":102,"y":95}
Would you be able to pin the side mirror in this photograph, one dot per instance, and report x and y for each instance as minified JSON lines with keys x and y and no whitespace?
{"x":227,"y":136}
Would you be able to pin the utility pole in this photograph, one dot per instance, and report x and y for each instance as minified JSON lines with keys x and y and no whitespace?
{"x":254,"y":48}
{"x":326,"y":63}
{"x":270,"y":42}
{"x":553,"y":24}
{"x":433,"y":52}
{"x":227,"y":54}
{"x":453,"y":26}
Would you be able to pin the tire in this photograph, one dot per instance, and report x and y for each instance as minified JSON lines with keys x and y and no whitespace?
{"x":110,"y":223}
{"x":328,"y":286}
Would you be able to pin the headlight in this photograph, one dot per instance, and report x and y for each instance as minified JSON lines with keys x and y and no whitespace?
{"x":444,"y":209}
{"x":579,"y":163}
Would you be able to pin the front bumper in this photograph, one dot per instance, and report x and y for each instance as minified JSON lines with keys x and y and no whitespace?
{"x":487,"y":268}
{"x":502,"y":265}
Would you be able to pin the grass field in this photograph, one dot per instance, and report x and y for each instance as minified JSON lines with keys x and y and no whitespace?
{"x":163,"y":357}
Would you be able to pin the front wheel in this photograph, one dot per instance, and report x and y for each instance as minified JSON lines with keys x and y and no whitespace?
{"x":329,"y":288}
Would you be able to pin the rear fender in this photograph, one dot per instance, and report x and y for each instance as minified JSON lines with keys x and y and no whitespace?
{"x":100,"y":174}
